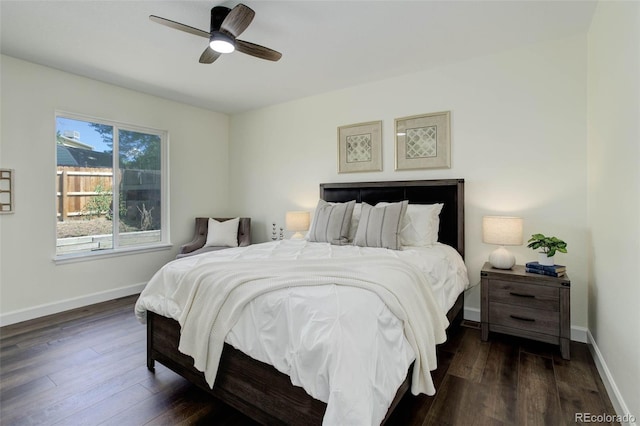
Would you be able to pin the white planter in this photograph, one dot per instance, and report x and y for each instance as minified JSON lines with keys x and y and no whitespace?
{"x":544,"y":260}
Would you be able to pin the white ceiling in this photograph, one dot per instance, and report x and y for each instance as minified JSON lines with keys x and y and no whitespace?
{"x":326,"y":45}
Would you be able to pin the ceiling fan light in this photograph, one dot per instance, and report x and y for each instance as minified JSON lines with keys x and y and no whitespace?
{"x":222,"y":43}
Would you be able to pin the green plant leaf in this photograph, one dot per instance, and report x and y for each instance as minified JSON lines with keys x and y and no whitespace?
{"x":549,"y":245}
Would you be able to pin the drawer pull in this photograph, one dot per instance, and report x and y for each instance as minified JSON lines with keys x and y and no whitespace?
{"x":522,"y":318}
{"x":522,"y":295}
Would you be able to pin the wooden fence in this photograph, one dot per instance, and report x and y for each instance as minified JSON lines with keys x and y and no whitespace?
{"x":77,"y":186}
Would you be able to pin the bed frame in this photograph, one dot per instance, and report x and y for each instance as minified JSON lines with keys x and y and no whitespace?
{"x":257,"y":389}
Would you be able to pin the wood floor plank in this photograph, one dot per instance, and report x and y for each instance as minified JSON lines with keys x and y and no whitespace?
{"x":23,"y":375}
{"x":113,"y":365}
{"x":45,"y":352}
{"x":577,"y":388}
{"x":67,"y":334}
{"x":457,"y":402}
{"x":471,"y":356}
{"x":49,"y":322}
{"x":576,"y":372}
{"x":501,"y":377}
{"x":148,"y":409}
{"x":63,"y":401}
{"x":163,"y":379}
{"x":537,"y":396}
{"x":217,"y":415}
{"x":575,"y":400}
{"x":119,"y":341}
{"x":35,"y":386}
{"x":108,"y":407}
{"x":192,"y":401}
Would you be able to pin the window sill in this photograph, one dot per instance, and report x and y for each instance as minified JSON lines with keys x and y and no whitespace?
{"x":103,"y":254}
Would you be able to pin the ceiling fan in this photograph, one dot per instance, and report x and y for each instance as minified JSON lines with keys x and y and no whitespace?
{"x":226,"y":25}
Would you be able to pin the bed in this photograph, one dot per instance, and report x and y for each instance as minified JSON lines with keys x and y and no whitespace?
{"x":257,"y":388}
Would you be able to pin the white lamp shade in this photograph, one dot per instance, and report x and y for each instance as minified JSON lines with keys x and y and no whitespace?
{"x":297,"y":222}
{"x":502,"y":230}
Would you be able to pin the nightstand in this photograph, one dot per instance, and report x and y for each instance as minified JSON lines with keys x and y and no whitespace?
{"x":527,"y":305}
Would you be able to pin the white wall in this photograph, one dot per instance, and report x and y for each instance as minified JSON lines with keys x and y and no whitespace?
{"x":518,"y":139}
{"x":198,"y":184}
{"x":614,"y":195}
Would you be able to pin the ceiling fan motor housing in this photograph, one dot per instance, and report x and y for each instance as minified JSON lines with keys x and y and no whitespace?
{"x":218,"y":14}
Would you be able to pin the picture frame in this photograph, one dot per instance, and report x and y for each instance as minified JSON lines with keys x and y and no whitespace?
{"x":7,"y":204}
{"x":360,"y":147}
{"x":423,"y":141}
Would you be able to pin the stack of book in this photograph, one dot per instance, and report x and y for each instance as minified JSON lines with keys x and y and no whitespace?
{"x":552,"y":271}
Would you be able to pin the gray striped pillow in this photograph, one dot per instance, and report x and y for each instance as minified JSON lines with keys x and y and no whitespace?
{"x":331,"y":222}
{"x":380,"y":226}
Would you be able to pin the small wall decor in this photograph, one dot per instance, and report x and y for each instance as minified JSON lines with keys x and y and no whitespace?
{"x":360,"y":147}
{"x":423,"y":141}
{"x":7,"y":192}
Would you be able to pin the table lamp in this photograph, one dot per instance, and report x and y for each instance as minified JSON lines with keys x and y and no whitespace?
{"x":297,"y":222}
{"x":502,"y":231}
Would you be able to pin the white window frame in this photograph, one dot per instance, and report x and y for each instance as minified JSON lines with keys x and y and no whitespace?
{"x":164,"y":243}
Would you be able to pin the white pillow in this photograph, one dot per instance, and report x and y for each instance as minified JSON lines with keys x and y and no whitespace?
{"x":223,"y":234}
{"x":420,"y":225}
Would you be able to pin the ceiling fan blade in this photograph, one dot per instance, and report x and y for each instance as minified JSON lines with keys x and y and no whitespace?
{"x":237,"y":20}
{"x":178,"y":26}
{"x":209,"y":55}
{"x":257,"y":50}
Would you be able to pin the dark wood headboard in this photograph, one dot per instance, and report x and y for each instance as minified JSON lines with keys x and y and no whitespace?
{"x":450,"y":192}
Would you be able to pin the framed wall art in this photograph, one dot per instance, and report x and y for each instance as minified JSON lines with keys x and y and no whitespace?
{"x":360,"y":147}
{"x":6,"y":191}
{"x":423,"y":141}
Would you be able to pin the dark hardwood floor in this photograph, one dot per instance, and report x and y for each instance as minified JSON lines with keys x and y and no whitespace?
{"x":88,"y":367}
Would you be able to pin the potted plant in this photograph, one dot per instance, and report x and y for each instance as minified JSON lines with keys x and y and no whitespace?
{"x":549,"y":246}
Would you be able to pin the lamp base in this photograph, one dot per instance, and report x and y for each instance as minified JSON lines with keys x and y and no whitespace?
{"x":501,"y":258}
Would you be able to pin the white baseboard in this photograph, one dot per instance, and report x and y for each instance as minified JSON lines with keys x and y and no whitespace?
{"x":26,"y":314}
{"x":612,"y":389}
{"x":579,"y":334}
{"x":472,"y":314}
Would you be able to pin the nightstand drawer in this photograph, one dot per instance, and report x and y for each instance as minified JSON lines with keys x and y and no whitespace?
{"x":519,"y":317}
{"x":527,"y":295}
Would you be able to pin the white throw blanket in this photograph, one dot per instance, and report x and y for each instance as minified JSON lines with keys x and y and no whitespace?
{"x":207,"y":296}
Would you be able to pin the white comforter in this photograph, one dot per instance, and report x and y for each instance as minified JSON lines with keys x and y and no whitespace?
{"x":343,"y":322}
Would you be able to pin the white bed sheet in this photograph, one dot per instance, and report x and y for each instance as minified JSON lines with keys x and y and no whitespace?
{"x":299,"y":330}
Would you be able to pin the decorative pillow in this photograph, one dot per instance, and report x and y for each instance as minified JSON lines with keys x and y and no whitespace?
{"x":223,"y":234}
{"x":331,"y":222}
{"x":380,"y":226}
{"x":420,"y":224}
{"x":355,"y":219}
{"x":353,"y":227}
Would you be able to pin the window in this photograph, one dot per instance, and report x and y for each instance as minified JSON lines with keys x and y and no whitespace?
{"x":110,"y":186}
